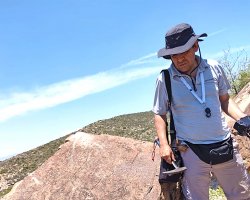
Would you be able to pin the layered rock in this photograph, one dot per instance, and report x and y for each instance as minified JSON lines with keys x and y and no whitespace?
{"x":93,"y":167}
{"x":243,"y":101}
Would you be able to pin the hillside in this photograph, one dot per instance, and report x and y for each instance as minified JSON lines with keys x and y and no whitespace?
{"x":138,"y":126}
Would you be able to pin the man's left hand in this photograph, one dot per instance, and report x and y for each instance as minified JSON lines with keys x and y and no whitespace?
{"x":243,"y":126}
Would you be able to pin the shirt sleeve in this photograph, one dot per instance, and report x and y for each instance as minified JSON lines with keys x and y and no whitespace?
{"x":223,"y":82}
{"x":160,"y":106}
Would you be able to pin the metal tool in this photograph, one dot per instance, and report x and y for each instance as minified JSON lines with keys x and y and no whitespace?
{"x":176,"y":170}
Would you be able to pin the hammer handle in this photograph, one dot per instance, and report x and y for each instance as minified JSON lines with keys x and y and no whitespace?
{"x":175,"y":166}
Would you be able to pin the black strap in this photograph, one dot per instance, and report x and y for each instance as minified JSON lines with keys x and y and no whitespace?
{"x":169,"y":90}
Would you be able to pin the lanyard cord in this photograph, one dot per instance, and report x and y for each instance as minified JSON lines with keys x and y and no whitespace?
{"x":195,"y":89}
{"x":203,"y":98}
{"x":198,"y":64}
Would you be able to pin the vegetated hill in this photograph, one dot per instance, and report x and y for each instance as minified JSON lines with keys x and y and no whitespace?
{"x":16,"y":168}
{"x":138,"y":126}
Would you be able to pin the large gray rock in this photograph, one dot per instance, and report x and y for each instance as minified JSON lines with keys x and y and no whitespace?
{"x":94,"y":167}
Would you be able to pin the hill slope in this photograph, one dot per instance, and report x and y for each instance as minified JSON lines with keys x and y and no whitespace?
{"x":138,"y":126}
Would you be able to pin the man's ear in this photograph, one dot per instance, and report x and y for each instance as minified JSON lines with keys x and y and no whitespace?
{"x":196,"y":46}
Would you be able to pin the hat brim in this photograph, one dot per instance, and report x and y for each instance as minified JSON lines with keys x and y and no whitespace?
{"x":165,"y":53}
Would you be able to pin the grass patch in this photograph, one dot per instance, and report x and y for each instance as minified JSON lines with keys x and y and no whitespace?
{"x":6,"y":191}
{"x":217,"y":194}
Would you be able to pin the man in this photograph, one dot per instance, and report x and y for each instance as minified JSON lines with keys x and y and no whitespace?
{"x":199,"y":95}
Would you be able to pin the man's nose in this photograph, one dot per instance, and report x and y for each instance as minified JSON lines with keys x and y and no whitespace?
{"x":180,"y":57}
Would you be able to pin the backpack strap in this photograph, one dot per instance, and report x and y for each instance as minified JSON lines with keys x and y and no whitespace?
{"x":169,"y":90}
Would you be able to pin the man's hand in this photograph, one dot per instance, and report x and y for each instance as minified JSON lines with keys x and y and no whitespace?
{"x":243,"y":126}
{"x":167,"y":153}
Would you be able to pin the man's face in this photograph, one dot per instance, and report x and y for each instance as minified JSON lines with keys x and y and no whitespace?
{"x":185,"y":62}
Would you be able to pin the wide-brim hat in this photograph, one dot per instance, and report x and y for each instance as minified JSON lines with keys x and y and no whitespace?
{"x":178,"y":40}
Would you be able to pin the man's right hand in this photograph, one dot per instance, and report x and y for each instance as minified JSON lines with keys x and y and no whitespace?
{"x":167,"y":153}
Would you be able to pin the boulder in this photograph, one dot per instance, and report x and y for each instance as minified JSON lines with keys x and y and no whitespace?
{"x":93,"y":167}
{"x":243,"y":101}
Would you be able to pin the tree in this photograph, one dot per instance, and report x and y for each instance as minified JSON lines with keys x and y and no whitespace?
{"x":237,"y":69}
{"x":243,"y":78}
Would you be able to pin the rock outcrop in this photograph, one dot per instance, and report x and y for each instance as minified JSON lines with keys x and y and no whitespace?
{"x":243,"y":101}
{"x":93,"y":167}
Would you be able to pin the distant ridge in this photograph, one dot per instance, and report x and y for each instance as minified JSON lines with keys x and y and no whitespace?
{"x":139,"y":126}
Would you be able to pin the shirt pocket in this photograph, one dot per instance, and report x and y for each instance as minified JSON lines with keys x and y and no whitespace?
{"x":211,"y":85}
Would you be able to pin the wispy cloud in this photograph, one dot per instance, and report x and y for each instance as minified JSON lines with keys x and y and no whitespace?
{"x":232,"y":51}
{"x":55,"y":94}
{"x":238,"y":49}
{"x":150,"y":58}
{"x":216,"y":32}
{"x":66,"y":91}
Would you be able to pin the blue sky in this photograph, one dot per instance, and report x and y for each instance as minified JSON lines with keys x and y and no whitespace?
{"x":65,"y":64}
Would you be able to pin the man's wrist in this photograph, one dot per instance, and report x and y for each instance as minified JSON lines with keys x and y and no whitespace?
{"x":242,"y":116}
{"x":162,"y":142}
{"x":165,"y":145}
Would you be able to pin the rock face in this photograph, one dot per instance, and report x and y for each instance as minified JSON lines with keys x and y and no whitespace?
{"x":94,"y":167}
{"x":243,"y":101}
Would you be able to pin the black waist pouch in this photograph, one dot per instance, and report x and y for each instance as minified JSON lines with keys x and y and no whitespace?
{"x":214,"y":153}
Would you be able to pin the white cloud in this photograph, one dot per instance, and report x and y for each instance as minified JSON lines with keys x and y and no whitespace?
{"x":66,"y":91}
{"x":152,"y":57}
{"x":238,"y":49}
{"x":232,"y":51}
{"x":216,"y":32}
